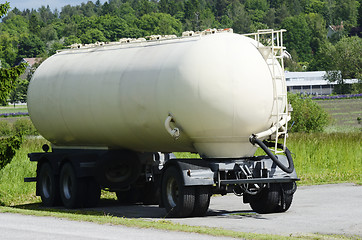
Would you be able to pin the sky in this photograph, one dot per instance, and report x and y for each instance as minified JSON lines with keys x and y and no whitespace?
{"x":53,"y":4}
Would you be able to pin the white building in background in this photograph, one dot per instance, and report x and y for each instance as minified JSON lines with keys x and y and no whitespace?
{"x":310,"y":83}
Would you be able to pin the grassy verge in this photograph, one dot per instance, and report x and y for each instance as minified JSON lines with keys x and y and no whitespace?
{"x":12,"y":109}
{"x":322,"y":158}
{"x":344,"y":114}
{"x":13,"y":190}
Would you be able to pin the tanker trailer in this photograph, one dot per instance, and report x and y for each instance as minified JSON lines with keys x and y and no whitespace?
{"x":114,"y":113}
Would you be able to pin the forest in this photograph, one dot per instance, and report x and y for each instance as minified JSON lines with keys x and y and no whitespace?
{"x":321,"y":34}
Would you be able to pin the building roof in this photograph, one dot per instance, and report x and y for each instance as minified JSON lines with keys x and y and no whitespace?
{"x":32,"y":61}
{"x":305,"y":78}
{"x":310,"y":78}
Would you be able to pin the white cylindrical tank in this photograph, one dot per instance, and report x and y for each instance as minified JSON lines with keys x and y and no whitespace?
{"x":218,"y":88}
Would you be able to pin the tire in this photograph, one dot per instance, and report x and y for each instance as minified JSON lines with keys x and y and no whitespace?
{"x":72,"y":189}
{"x":48,"y":186}
{"x":288,"y":190}
{"x":178,"y":199}
{"x":271,"y":200}
{"x":202,"y":201}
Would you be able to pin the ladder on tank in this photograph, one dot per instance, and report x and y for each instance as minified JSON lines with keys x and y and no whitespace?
{"x":270,"y":45}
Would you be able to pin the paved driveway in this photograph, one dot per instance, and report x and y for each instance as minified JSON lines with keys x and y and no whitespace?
{"x":325,"y":209}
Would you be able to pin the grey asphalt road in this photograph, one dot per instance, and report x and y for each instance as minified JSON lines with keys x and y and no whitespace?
{"x":324,"y":209}
{"x":20,"y":227}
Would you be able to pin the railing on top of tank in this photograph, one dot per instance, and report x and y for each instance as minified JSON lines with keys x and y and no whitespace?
{"x":270,"y":38}
{"x":151,"y":38}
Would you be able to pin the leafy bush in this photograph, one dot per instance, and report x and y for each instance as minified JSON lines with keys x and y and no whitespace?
{"x":307,"y":115}
{"x":5,"y":128}
{"x":25,"y":126}
{"x":22,"y":125}
{"x":8,"y":147}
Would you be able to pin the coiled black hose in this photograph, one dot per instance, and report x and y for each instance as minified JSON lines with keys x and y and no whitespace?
{"x":264,"y":145}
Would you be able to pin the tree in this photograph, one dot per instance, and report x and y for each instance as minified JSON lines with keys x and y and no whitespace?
{"x":315,"y":6}
{"x":298,"y":36}
{"x":346,"y":11}
{"x":159,"y":23}
{"x":241,"y":18}
{"x":92,"y":35}
{"x":19,"y":93}
{"x":35,"y":24}
{"x":7,"y":50}
{"x":323,"y":58}
{"x":8,"y":76}
{"x":31,"y":46}
{"x":225,"y":22}
{"x":126,"y":12}
{"x":4,"y":8}
{"x":71,"y":40}
{"x":317,"y":25}
{"x":207,"y":19}
{"x":359,"y":20}
{"x":54,"y":46}
{"x":143,"y":7}
{"x":8,"y":80}
{"x":347,"y":62}
{"x":281,"y":13}
{"x":112,"y":27}
{"x":8,"y":146}
{"x":295,"y":7}
{"x":270,"y":18}
{"x":221,"y":8}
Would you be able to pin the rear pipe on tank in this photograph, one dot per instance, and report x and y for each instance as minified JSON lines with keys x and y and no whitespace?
{"x":265,"y":146}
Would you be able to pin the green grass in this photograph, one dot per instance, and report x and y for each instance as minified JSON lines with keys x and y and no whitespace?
{"x":322,"y":158}
{"x":12,"y":109}
{"x":344,"y":114}
{"x":13,"y":190}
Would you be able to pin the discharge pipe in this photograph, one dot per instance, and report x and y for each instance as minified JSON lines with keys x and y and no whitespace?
{"x":265,"y":146}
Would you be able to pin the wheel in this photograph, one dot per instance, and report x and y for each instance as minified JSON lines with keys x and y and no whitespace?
{"x":48,"y":186}
{"x":272,"y":200}
{"x":72,"y":189}
{"x":202,"y":201}
{"x":178,"y":199}
{"x":287,"y":190}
